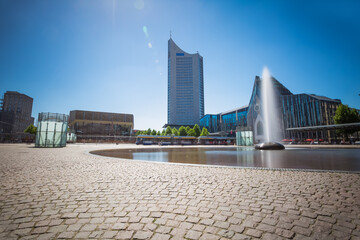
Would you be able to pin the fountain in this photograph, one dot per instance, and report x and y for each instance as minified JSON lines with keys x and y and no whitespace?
{"x":269,"y":110}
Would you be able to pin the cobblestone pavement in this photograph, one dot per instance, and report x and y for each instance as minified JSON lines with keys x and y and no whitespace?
{"x":68,"y":193}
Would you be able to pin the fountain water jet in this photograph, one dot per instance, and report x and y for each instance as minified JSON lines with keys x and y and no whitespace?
{"x":269,"y":110}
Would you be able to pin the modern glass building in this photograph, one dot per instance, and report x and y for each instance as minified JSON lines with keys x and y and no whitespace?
{"x":185,"y":87}
{"x":308,"y":110}
{"x":225,"y":121}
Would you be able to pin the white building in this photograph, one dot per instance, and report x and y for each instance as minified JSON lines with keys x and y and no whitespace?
{"x":185,"y":87}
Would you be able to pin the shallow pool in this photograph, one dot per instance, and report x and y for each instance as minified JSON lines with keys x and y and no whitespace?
{"x":316,"y":159}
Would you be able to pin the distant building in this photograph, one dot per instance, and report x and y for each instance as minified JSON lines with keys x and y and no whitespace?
{"x":185,"y":87}
{"x":101,"y":123}
{"x":15,"y":115}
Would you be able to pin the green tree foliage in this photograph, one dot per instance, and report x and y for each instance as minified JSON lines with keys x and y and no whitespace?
{"x":191,"y":132}
{"x":344,"y":114}
{"x":182,"y":131}
{"x":187,"y":130}
{"x":30,"y":129}
{"x":168,"y":131}
{"x":204,"y":132}
{"x":175,"y":132}
{"x":148,"y":132}
{"x":138,"y":133}
{"x":163,"y":132}
{"x":153,"y":132}
{"x":197,"y":130}
{"x":158,"y":133}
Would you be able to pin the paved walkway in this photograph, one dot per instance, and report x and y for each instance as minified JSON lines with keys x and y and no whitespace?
{"x":67,"y":193}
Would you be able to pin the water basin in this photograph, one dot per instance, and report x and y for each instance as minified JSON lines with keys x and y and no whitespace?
{"x":314,"y":159}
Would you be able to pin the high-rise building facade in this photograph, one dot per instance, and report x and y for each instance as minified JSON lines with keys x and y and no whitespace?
{"x":185,"y":87}
{"x":15,"y":114}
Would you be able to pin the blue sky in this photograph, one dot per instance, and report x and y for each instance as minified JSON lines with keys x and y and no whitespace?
{"x":95,"y":55}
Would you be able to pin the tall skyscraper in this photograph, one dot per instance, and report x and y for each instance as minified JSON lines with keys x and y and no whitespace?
{"x":185,"y":87}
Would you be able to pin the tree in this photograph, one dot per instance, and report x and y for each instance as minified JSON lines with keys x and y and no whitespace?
{"x":138,"y":133}
{"x":191,"y":132}
{"x":168,"y":131}
{"x":153,"y":132}
{"x":204,"y":132}
{"x":197,"y":130}
{"x":182,"y":131}
{"x":148,"y":132}
{"x":187,"y":130}
{"x":163,"y":132}
{"x":344,"y":114}
{"x":158,"y":133}
{"x":30,"y":129}
{"x":175,"y":132}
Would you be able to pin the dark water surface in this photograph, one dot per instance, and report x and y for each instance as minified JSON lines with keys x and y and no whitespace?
{"x":317,"y":159}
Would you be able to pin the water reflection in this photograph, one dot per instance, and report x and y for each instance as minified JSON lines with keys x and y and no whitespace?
{"x":324,"y":159}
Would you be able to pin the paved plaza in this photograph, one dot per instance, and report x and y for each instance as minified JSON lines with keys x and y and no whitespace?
{"x":67,"y":193}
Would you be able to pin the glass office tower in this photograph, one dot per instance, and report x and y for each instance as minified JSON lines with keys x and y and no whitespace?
{"x":185,"y":87}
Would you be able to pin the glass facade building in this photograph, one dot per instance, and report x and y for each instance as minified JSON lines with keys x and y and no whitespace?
{"x":185,"y":87}
{"x":51,"y":130}
{"x":307,"y":110}
{"x":225,"y":121}
{"x":210,"y":122}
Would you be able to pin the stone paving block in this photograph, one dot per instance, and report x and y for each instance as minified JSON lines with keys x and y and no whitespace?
{"x":89,"y":227}
{"x":96,"y":234}
{"x":163,"y":229}
{"x":109,"y":234}
{"x":69,"y":215}
{"x":57,"y":229}
{"x":26,"y":225}
{"x":191,"y":234}
{"x":119,"y":226}
{"x":83,"y":235}
{"x":326,"y":219}
{"x":66,"y":235}
{"x":226,"y":233}
{"x":159,"y":236}
{"x":207,"y":236}
{"x":253,"y":233}
{"x":150,"y":227}
{"x":239,"y":236}
{"x":198,"y":227}
{"x":124,"y":235}
{"x":301,"y":230}
{"x":284,"y":233}
{"x":141,"y":235}
{"x":185,"y":225}
{"x":135,"y":226}
{"x":221,"y":224}
{"x":46,"y":236}
{"x":97,"y":220}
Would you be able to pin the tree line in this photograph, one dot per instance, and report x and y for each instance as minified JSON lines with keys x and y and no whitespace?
{"x":182,"y":131}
